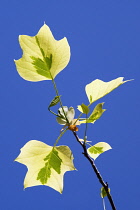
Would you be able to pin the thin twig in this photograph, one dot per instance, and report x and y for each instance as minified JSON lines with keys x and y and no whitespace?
{"x":105,"y":185}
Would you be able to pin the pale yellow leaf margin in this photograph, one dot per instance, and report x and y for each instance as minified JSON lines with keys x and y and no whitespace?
{"x":32,"y":155}
{"x":98,"y":88}
{"x":105,"y":147}
{"x":32,"y":46}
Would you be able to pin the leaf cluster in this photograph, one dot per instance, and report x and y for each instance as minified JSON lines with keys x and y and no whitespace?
{"x":43,"y":59}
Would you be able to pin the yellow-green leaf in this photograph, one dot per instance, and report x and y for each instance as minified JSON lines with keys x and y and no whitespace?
{"x":43,"y":56}
{"x":95,"y":115}
{"x":98,"y":88}
{"x":103,"y":192}
{"x":46,"y":164}
{"x":83,"y":108}
{"x":97,"y":149}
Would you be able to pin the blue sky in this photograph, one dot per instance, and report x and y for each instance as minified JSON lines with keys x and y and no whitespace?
{"x":104,"y":37}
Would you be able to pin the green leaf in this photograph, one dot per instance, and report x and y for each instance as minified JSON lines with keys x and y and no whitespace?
{"x":54,"y":162}
{"x":55,"y":101}
{"x":97,"y":149}
{"x":98,"y":88}
{"x":42,"y":66}
{"x":96,"y":114}
{"x":43,"y":56}
{"x":46,"y":164}
{"x":83,"y":108}
{"x":103,"y":192}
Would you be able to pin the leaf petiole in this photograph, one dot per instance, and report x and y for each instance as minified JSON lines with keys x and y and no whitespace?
{"x":52,"y":112}
{"x":61,"y":134}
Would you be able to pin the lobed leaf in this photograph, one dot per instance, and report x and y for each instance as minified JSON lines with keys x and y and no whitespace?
{"x":46,"y":164}
{"x":98,"y":88}
{"x":97,"y":149}
{"x":43,"y":56}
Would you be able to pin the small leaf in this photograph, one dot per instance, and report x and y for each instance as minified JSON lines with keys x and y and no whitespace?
{"x":96,"y":114}
{"x":98,"y":88}
{"x":43,"y":56}
{"x":103,"y":192}
{"x":46,"y":165}
{"x":97,"y":149}
{"x":61,"y":121}
{"x":55,"y":101}
{"x":83,"y":108}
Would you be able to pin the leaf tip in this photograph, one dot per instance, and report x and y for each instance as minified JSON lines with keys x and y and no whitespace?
{"x":61,"y":191}
{"x":24,"y":186}
{"x":16,"y":159}
{"x":128,"y":80}
{"x":19,"y":37}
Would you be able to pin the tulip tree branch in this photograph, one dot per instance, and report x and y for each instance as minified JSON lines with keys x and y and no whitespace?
{"x":105,"y":185}
{"x":43,"y":65}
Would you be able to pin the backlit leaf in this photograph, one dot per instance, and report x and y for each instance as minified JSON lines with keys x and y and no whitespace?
{"x":83,"y":108}
{"x":98,"y":88}
{"x":96,"y":114}
{"x":43,"y":56}
{"x":46,"y":164}
{"x":97,"y":149}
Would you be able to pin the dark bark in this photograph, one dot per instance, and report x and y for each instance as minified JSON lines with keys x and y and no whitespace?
{"x":104,"y":184}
